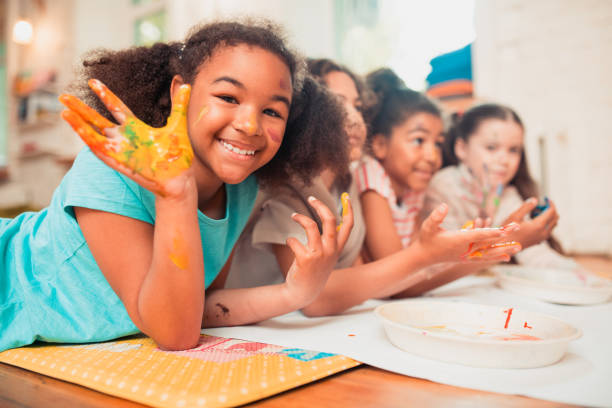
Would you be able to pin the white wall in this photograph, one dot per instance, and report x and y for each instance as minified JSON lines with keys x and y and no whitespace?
{"x":551,"y":60}
{"x":308,"y":24}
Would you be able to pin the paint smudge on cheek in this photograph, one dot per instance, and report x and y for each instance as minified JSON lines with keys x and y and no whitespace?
{"x":179,"y":255}
{"x":202,"y":113}
{"x":275,"y":135}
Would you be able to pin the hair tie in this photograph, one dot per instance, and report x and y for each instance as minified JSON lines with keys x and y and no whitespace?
{"x":180,"y":51}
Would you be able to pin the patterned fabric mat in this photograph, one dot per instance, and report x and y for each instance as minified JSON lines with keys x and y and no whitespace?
{"x":218,"y":372}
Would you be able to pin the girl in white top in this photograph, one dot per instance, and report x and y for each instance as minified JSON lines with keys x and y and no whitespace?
{"x":487,"y":177}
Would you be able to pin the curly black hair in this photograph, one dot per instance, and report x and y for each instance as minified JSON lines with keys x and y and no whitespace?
{"x":141,"y":78}
{"x":396,"y":103}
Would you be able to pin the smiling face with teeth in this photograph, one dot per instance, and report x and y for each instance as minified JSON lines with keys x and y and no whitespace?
{"x":238,"y":112}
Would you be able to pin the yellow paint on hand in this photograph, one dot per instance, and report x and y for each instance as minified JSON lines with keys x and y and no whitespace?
{"x":344,"y":199}
{"x":468,"y":225}
{"x":157,"y":154}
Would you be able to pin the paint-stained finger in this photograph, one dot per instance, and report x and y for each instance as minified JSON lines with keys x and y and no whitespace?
{"x":345,"y":227}
{"x":179,"y":106}
{"x":93,"y":139}
{"x":84,"y":111}
{"x":114,"y":105}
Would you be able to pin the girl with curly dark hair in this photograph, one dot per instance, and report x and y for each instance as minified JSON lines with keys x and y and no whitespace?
{"x":351,"y":281}
{"x":138,"y":240}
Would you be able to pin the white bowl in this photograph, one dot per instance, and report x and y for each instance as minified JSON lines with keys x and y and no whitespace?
{"x":476,"y":335}
{"x":554,"y":285}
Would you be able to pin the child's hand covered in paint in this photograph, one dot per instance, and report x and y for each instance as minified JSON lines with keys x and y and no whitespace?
{"x":150,"y":156}
{"x":533,"y":230}
{"x":470,"y":244}
{"x":314,"y":262}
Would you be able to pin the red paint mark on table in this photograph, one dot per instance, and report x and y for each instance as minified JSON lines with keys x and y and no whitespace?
{"x":351,"y":335}
{"x":509,"y":311}
{"x":527,"y":326}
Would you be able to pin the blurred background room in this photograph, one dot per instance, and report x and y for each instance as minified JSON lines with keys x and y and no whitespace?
{"x":548,"y":59}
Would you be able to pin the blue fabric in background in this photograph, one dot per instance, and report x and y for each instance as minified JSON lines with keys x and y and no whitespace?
{"x":452,"y":65}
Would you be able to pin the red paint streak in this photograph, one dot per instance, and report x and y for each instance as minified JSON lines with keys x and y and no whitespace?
{"x":465,"y":255}
{"x":351,"y":335}
{"x":527,"y":326}
{"x":509,"y":311}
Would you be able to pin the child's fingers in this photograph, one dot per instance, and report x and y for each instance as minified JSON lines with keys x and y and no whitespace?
{"x":328,"y":220}
{"x":299,"y":250}
{"x":497,"y":251}
{"x":345,"y":227}
{"x":519,"y":214}
{"x":312,"y":231}
{"x":114,"y":105}
{"x":491,"y":252}
{"x":93,"y":139}
{"x":433,"y":220}
{"x":84,"y":111}
{"x":179,"y":105}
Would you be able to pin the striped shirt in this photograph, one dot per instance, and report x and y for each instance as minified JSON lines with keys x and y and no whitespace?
{"x":370,"y":175}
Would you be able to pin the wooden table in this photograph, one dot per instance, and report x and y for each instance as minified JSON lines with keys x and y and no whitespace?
{"x":362,"y":386}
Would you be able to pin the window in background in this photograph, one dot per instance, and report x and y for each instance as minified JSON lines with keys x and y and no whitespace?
{"x":403,"y":35}
{"x":150,"y":29}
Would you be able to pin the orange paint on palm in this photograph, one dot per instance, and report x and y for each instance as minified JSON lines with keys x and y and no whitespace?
{"x":157,"y":154}
{"x":480,"y":252}
{"x":179,"y":255}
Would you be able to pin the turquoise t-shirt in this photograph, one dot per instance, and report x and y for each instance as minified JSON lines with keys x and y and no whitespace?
{"x":51,"y":288}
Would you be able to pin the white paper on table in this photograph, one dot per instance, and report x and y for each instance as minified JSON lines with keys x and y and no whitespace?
{"x":583,"y":376}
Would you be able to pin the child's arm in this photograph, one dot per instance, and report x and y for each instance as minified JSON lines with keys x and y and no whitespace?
{"x":381,"y":238}
{"x":305,"y":279}
{"x":394,"y":273}
{"x":157,"y":271}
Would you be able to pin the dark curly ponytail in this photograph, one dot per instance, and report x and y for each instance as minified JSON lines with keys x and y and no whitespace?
{"x":396,"y":103}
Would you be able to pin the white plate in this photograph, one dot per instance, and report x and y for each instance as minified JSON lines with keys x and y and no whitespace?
{"x":554,"y":285}
{"x":476,"y":335}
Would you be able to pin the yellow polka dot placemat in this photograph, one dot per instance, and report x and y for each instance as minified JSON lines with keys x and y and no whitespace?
{"x":218,"y":372}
